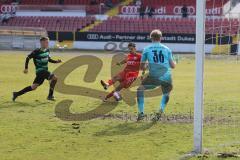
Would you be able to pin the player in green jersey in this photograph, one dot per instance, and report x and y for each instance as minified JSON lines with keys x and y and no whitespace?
{"x":41,"y":57}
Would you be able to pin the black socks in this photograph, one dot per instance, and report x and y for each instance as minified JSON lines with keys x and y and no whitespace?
{"x":25,"y":90}
{"x":52,"y":86}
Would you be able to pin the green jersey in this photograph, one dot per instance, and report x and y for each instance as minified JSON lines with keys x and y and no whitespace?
{"x":40,"y":57}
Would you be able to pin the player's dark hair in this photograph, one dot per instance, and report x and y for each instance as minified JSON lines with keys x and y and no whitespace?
{"x":131,"y":44}
{"x":44,"y":39}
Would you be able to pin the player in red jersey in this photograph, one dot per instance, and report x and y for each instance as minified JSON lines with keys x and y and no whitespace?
{"x":127,"y":76}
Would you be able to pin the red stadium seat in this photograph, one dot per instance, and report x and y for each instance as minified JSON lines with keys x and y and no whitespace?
{"x":52,"y":23}
{"x":167,"y":25}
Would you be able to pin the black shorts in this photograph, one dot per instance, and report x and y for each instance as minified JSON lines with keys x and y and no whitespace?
{"x":41,"y":76}
{"x":151,"y":83}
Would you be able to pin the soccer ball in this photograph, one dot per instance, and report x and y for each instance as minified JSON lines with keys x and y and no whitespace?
{"x":117,"y":96}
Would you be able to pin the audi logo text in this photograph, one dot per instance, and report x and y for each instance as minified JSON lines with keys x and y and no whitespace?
{"x":8,"y":8}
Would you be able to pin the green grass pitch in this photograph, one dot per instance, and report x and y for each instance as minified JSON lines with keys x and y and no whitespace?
{"x":29,"y":128}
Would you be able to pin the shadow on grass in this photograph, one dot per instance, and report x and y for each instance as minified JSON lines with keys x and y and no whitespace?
{"x":125,"y":129}
{"x":63,"y":112}
{"x":10,"y":104}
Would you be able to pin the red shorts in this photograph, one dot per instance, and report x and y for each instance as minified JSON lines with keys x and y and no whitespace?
{"x":127,"y":78}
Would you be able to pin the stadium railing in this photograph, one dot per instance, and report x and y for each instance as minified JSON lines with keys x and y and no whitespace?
{"x":20,"y":37}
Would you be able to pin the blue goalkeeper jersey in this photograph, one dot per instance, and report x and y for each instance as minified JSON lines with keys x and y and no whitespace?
{"x":158,"y":57}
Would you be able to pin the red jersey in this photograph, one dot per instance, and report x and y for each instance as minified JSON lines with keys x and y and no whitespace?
{"x":133,"y":62}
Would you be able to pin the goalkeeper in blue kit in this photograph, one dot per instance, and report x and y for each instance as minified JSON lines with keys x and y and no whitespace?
{"x":160,"y":62}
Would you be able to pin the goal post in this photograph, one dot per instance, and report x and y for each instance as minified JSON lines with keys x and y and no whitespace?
{"x":199,"y":58}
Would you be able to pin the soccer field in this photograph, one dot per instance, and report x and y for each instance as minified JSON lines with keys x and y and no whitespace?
{"x":30,"y":128}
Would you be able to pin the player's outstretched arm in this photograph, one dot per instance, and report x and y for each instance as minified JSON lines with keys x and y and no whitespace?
{"x":144,"y":60}
{"x":30,"y":56}
{"x":122,"y":62}
{"x":143,"y":68}
{"x":26,"y":63}
{"x":54,"y":61}
{"x":172,"y":64}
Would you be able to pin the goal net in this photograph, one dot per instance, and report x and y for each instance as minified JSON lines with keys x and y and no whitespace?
{"x":221,"y":78}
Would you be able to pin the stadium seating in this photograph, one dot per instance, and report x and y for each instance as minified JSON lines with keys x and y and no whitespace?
{"x":125,"y":24}
{"x":154,"y":3}
{"x":66,"y":2}
{"x":90,"y":9}
{"x":167,"y":25}
{"x":5,"y":2}
{"x":145,"y":2}
{"x":39,"y":2}
{"x":51,"y":23}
